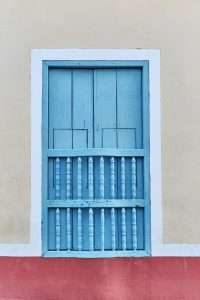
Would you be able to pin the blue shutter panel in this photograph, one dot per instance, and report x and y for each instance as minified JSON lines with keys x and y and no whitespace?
{"x":96,"y":160}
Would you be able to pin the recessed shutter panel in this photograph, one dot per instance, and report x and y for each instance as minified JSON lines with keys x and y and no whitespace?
{"x":95,"y":160}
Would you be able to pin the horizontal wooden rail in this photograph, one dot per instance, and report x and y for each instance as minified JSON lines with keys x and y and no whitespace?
{"x":96,"y":203}
{"x":95,"y":152}
{"x":97,"y":253}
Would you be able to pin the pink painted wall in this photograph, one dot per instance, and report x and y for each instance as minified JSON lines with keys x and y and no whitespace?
{"x":100,"y":279}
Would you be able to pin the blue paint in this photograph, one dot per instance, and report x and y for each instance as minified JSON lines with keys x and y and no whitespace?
{"x":96,"y":159}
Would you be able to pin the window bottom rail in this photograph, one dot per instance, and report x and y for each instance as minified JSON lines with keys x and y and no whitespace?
{"x":96,"y":203}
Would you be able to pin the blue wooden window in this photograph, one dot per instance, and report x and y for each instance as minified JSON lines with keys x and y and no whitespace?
{"x":96,"y":159}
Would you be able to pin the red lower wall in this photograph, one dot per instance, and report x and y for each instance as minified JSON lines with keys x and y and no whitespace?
{"x":100,"y":279}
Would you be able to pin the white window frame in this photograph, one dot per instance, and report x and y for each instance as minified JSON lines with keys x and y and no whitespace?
{"x":158,"y":248}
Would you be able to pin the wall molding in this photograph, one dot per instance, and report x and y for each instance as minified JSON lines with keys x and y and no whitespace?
{"x":153,"y":56}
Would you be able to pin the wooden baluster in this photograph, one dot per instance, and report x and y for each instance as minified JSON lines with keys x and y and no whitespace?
{"x":90,"y":178}
{"x":123,"y":177}
{"x":58,"y":229}
{"x":113,"y":228}
{"x":101,"y":177}
{"x":79,"y":178}
{"x":112,"y":177}
{"x":68,"y":179}
{"x":68,"y":229}
{"x":91,"y":230}
{"x":57,"y":179}
{"x":133,"y":171}
{"x":79,"y":229}
{"x":102,"y":228}
{"x":123,"y":229}
{"x":134,"y":228}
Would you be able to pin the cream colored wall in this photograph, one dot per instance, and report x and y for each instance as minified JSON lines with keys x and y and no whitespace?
{"x":172,"y":26}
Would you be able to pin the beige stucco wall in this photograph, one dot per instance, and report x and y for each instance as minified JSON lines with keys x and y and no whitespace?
{"x":172,"y":26}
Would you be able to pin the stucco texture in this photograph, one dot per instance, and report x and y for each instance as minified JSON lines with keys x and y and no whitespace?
{"x":114,"y":279}
{"x":172,"y":26}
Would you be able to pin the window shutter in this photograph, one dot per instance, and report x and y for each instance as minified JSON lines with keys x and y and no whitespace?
{"x":96,"y":160}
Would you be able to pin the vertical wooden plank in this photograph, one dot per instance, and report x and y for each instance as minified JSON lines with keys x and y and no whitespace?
{"x":105,"y":108}
{"x":107,"y":177}
{"x":129,"y":231}
{"x":97,"y":229}
{"x":47,"y":234}
{"x":50,"y":180}
{"x":90,"y":178}
{"x":59,"y":103}
{"x":79,"y":178}
{"x":62,"y":178}
{"x":140,"y":177}
{"x":113,"y":229}
{"x":141,"y":232}
{"x":128,"y":177}
{"x":101,"y":177}
{"x":102,"y":228}
{"x":86,"y":229}
{"x":146,"y":162}
{"x":112,"y":177}
{"x":74,"y":212}
{"x":79,"y":229}
{"x":58,"y":229}
{"x":68,"y":229}
{"x":133,"y":177}
{"x":68,"y":178}
{"x":63,"y":232}
{"x":108,"y":229}
{"x":57,"y":178}
{"x":82,"y":124}
{"x":123,"y":178}
{"x":74,"y":229}
{"x":123,"y":212}
{"x":51,"y":229}
{"x":134,"y":228}
{"x":82,"y":108}
{"x":129,"y":106}
{"x":91,"y":230}
{"x":85,"y":177}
